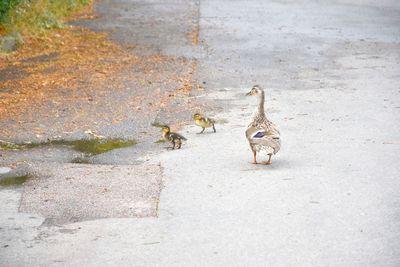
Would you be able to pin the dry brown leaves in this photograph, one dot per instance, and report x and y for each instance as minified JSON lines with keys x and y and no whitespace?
{"x":194,"y":36}
{"x":68,"y":74}
{"x":63,"y":59}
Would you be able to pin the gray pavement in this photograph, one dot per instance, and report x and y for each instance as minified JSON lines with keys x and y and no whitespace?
{"x":78,"y":192}
{"x":150,"y":27}
{"x":330,"y":198}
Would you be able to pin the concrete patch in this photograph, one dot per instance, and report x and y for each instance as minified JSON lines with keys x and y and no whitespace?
{"x":77,"y":192}
{"x":4,"y":170}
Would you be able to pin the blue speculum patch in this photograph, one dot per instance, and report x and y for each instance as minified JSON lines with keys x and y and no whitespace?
{"x":259,"y":135}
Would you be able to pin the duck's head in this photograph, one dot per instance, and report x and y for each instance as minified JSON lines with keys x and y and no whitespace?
{"x":166,"y":129}
{"x":255,"y":90}
{"x":197,"y":116}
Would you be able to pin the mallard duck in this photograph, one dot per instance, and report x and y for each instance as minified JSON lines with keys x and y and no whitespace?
{"x":175,"y":138}
{"x":262,"y":134}
{"x":204,"y":122}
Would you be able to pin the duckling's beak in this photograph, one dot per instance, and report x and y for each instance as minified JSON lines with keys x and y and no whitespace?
{"x":248,"y":94}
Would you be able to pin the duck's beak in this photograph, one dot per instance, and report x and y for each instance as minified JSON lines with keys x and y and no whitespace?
{"x":248,"y":94}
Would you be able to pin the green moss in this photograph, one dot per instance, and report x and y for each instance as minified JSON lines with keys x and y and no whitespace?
{"x":14,"y":180}
{"x":15,"y":146}
{"x":96,"y":146}
{"x":87,"y":146}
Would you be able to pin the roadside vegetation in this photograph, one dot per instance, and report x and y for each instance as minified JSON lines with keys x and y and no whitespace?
{"x":33,"y":17}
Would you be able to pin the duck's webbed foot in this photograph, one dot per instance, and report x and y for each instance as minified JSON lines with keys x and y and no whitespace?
{"x":201,"y":131}
{"x":214,"y":128}
{"x":269,"y":160}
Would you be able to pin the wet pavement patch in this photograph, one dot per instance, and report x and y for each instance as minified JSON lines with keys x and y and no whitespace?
{"x":96,"y":146}
{"x":89,"y":147}
{"x":14,"y":180}
{"x":4,"y":170}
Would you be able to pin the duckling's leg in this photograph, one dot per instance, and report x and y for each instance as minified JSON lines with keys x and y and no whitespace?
{"x":214,"y":128}
{"x":202,"y":130}
{"x":173,"y":145}
{"x":269,"y":160}
{"x":179,"y":144}
{"x":255,"y":157}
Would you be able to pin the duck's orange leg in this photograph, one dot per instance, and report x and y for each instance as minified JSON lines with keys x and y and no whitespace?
{"x":269,"y":160}
{"x":254,"y":158}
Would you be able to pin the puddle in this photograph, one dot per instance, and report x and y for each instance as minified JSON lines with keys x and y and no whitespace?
{"x":14,"y":180}
{"x":96,"y":146}
{"x":89,"y":147}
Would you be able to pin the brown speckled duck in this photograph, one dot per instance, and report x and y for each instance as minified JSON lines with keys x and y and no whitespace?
{"x":262,"y":134}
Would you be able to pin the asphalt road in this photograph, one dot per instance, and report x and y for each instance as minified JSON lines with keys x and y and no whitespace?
{"x":330,"y":198}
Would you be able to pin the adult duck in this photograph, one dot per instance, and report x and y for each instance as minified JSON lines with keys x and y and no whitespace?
{"x":262,"y":134}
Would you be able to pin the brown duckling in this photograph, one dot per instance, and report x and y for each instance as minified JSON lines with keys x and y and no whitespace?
{"x":175,"y":138}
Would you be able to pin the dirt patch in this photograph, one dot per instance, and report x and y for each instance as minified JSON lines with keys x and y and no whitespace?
{"x":81,"y":54}
{"x":75,"y":79}
{"x":11,"y":74}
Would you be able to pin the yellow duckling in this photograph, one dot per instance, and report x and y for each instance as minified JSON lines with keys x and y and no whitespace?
{"x":204,"y":122}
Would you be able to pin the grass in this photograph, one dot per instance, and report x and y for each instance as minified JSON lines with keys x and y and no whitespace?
{"x":34,"y":17}
{"x":6,"y":6}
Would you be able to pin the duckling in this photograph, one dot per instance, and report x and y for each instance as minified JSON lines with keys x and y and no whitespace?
{"x":175,"y":138}
{"x":262,"y":134}
{"x":204,"y":122}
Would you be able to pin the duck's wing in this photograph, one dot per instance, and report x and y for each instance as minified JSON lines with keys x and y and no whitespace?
{"x":275,"y":129}
{"x":177,"y":136}
{"x":265,"y":136}
{"x":251,"y":131}
{"x":210,"y":120}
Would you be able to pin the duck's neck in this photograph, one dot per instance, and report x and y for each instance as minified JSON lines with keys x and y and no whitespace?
{"x":165,"y":134}
{"x":261,"y":100}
